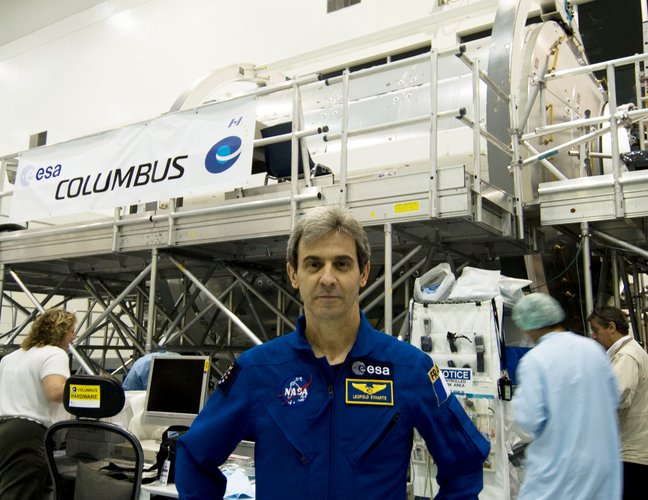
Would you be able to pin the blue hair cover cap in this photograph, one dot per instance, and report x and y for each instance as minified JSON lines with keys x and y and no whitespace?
{"x":537,"y":310}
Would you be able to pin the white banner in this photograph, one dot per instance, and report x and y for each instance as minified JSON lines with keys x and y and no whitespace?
{"x":181,"y":154}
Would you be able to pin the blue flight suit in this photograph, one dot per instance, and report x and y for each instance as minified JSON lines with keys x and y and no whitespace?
{"x":325,"y":435}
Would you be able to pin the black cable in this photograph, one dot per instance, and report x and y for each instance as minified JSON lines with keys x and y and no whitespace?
{"x":559,"y":275}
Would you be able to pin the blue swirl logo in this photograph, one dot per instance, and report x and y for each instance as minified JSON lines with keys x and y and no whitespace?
{"x":223,"y":154}
{"x":27,"y":175}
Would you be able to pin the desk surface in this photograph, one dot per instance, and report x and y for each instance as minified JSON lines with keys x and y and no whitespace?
{"x":156,"y":488}
{"x":170,"y":490}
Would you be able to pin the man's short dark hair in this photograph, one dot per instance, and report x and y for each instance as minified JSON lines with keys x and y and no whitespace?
{"x":608,"y":314}
{"x":321,"y":220}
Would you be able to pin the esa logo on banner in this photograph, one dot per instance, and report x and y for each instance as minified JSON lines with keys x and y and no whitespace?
{"x":223,"y":154}
{"x":29,"y":173}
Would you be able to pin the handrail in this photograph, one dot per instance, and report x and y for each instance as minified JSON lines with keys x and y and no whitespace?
{"x":622,"y":61}
{"x":307,"y":194}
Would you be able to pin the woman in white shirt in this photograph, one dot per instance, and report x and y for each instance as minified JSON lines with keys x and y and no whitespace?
{"x":32,"y":380}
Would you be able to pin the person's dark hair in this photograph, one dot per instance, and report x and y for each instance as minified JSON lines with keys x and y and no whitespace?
{"x":49,"y":328}
{"x":608,"y":314}
{"x":319,"y":221}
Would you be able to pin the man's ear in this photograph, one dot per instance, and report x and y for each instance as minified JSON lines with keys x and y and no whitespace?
{"x":364,"y":275}
{"x":292,"y":275}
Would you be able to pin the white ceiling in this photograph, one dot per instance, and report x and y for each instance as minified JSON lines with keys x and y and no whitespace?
{"x":22,"y":17}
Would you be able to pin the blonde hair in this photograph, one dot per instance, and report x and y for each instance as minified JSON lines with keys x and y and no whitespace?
{"x":49,"y":328}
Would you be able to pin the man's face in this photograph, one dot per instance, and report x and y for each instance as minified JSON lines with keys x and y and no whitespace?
{"x":328,"y":276}
{"x":602,"y":333}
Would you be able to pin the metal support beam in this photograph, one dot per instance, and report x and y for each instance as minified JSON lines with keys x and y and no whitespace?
{"x":112,"y":305}
{"x":218,"y":303}
{"x":629,"y":299}
{"x":636,"y":305}
{"x":186,"y":301}
{"x":150,"y":325}
{"x":587,"y":273}
{"x":187,"y":327}
{"x":619,"y":243}
{"x":365,"y":293}
{"x":477,"y":143}
{"x":139,"y":326}
{"x":121,"y":328}
{"x":434,"y":128}
{"x":344,"y":147}
{"x":536,"y":86}
{"x":260,"y":296}
{"x":284,"y":291}
{"x":388,"y":312}
{"x":80,"y":359}
{"x":254,"y":311}
{"x":395,"y":285}
{"x":39,"y":308}
{"x":602,"y":282}
{"x":615,"y":278}
{"x":614,"y":140}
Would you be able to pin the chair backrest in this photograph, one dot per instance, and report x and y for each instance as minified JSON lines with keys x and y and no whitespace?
{"x":278,"y":155}
{"x":90,"y":458}
{"x":93,"y":396}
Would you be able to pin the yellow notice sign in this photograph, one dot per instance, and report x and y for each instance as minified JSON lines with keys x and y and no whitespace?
{"x":407,"y":206}
{"x":85,"y":396}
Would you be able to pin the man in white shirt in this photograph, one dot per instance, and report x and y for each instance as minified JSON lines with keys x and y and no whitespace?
{"x":630,"y":363}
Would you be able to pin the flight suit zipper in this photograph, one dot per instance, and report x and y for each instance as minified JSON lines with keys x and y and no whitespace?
{"x":331,"y":394}
{"x":392,"y":423}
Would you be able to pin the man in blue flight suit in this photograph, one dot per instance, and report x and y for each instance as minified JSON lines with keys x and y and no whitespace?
{"x":333,"y":405}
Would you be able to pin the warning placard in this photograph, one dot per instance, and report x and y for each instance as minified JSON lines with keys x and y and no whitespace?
{"x":460,"y":380}
{"x":85,"y":396}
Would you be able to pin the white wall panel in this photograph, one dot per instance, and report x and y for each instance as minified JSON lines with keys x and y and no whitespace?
{"x":124,"y":61}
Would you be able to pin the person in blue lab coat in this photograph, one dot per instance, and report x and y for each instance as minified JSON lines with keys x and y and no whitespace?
{"x":566,"y":401}
{"x":138,"y":375}
{"x":332,"y":406}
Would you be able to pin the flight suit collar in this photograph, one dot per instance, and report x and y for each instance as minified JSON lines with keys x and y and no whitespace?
{"x":362,"y":346}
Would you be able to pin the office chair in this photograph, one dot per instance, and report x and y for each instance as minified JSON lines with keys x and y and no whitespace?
{"x":278,"y":156}
{"x":89,"y":458}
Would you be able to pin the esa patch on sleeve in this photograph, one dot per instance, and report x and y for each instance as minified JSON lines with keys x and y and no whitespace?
{"x":228,"y":378}
{"x":439,"y":385}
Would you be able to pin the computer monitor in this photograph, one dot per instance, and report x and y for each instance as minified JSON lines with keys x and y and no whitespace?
{"x":177,"y":389}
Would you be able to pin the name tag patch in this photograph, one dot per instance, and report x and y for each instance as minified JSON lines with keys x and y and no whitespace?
{"x":369,"y":392}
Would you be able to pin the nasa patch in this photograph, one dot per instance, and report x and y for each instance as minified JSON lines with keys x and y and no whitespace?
{"x":294,"y":391}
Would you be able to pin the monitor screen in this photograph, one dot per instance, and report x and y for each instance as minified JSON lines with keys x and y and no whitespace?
{"x":177,"y":389}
